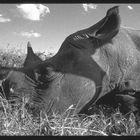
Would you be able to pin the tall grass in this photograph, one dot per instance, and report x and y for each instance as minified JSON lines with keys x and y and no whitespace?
{"x":15,"y":120}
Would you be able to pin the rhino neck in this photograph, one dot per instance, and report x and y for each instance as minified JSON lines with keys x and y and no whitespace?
{"x":119,"y":59}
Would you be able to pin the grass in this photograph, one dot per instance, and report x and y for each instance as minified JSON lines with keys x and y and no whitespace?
{"x":16,"y":57}
{"x":15,"y":119}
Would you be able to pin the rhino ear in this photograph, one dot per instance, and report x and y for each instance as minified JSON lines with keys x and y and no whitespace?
{"x":31,"y":58}
{"x":108,"y":27}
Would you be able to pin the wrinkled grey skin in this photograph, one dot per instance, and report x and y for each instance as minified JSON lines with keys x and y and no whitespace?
{"x":89,"y":64}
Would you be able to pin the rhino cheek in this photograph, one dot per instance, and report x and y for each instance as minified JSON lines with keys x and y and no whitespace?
{"x":77,"y":91}
{"x":89,"y":91}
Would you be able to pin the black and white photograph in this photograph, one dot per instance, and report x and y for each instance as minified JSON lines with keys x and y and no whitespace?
{"x":69,"y":69}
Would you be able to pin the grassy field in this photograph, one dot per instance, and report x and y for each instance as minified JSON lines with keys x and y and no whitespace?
{"x":15,"y":120}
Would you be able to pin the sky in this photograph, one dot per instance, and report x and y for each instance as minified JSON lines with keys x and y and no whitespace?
{"x":47,"y":25}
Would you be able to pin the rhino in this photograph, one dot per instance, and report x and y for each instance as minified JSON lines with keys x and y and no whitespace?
{"x":89,"y":64}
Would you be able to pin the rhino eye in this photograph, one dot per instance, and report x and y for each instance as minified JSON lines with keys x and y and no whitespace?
{"x":11,"y":90}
